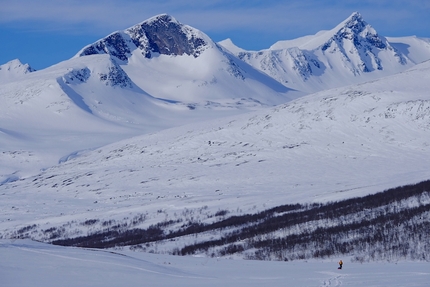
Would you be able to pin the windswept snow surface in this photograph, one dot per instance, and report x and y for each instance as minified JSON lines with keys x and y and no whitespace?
{"x":27,"y":263}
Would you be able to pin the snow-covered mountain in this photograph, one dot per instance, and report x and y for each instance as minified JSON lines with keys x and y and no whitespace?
{"x":13,"y":70}
{"x":157,"y":74}
{"x":176,"y":62}
{"x":352,"y":52}
{"x":161,"y":73}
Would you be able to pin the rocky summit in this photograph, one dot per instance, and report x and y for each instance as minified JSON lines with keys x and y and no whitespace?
{"x":351,"y":52}
{"x":161,"y":34}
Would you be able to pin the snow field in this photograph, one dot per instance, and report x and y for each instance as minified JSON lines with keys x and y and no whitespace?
{"x":47,"y":265}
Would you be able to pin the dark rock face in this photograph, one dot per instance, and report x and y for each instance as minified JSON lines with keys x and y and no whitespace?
{"x":168,"y":37}
{"x":77,"y":76}
{"x":161,"y":35}
{"x":366,"y":42}
{"x":116,"y":77}
{"x":114,"y":45}
{"x":29,"y":69}
{"x":353,"y":30}
{"x":113,"y":76}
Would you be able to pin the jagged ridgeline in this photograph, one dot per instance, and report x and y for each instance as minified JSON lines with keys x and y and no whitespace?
{"x":390,"y":225}
{"x":162,"y":35}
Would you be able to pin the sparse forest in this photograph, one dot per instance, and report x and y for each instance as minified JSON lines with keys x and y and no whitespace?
{"x":390,"y":225}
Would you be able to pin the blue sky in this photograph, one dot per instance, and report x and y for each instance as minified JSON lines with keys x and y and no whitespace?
{"x":45,"y":32}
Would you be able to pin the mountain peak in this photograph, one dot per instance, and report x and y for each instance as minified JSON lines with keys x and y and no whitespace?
{"x":16,"y":66}
{"x":355,"y":23}
{"x":14,"y":69}
{"x":360,"y":44}
{"x":355,"y":16}
{"x":161,"y":18}
{"x":159,"y":35}
{"x":229,"y":45}
{"x":357,"y":31}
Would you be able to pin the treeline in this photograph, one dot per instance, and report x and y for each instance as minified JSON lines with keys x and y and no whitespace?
{"x":383,"y":223}
{"x":114,"y":237}
{"x":390,"y":236}
{"x":387,"y":225}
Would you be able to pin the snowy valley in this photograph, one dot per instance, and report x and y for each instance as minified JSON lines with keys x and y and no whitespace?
{"x":157,"y":139}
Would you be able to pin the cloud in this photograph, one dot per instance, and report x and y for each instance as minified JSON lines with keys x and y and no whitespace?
{"x":215,"y":14}
{"x":67,"y":13}
{"x":56,"y":29}
{"x":292,"y":17}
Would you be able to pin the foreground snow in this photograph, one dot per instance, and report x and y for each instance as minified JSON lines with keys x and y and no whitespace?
{"x":27,"y":263}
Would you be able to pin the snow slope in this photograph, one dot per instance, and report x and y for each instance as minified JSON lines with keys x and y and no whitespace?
{"x":27,"y":263}
{"x":45,"y":117}
{"x":332,"y":145}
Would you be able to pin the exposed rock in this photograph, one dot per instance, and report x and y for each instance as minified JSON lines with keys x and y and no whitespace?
{"x":161,"y":34}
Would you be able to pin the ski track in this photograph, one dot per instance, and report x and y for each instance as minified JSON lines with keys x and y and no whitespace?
{"x":332,"y":281}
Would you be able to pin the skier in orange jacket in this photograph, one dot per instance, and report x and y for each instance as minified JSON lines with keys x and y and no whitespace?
{"x":340,"y":264}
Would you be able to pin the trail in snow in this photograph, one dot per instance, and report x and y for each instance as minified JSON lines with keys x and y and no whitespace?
{"x":332,"y":281}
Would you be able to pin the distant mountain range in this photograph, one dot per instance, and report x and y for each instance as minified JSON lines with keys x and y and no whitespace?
{"x":352,"y":52}
{"x":161,"y":73}
{"x":176,"y":76}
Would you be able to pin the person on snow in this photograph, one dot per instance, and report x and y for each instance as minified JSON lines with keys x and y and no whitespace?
{"x":340,"y":264}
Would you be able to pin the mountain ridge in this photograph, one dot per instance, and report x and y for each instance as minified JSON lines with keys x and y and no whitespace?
{"x":161,"y":34}
{"x":351,"y":52}
{"x":161,"y":73}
